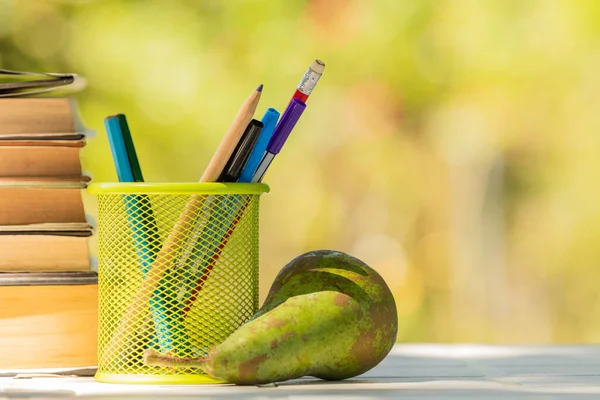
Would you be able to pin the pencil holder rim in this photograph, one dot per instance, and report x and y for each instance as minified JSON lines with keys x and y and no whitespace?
{"x":177,"y":188}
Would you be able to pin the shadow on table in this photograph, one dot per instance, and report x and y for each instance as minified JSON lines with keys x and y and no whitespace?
{"x":432,"y":372}
{"x":484,"y":372}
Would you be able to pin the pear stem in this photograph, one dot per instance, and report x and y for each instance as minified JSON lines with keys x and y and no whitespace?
{"x":153,"y":358}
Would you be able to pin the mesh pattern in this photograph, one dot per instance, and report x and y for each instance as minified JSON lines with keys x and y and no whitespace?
{"x":177,"y":273}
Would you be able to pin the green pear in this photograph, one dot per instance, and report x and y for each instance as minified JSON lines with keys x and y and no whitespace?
{"x":327,"y":315}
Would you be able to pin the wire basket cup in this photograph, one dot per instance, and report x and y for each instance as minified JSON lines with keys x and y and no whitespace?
{"x":177,"y":272}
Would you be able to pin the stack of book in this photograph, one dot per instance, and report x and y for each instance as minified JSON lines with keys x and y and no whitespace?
{"x":48,"y":291}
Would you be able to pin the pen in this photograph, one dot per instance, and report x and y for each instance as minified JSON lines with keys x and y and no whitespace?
{"x":128,"y":170}
{"x":227,"y":211}
{"x":205,"y":230}
{"x":207,"y":237}
{"x":139,"y":212}
{"x":222,"y":208}
{"x":282,"y":131}
{"x":240,"y":155}
{"x":269,"y":121}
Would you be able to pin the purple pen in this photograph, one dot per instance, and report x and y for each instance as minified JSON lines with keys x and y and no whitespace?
{"x":283,"y":129}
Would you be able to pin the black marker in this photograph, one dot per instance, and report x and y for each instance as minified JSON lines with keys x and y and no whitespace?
{"x":239,"y":157}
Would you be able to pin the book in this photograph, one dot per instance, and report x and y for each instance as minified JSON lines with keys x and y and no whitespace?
{"x":52,"y":320}
{"x":40,"y":119}
{"x":22,"y":83}
{"x":58,"y":159}
{"x":66,"y":229}
{"x":45,"y":248}
{"x":28,"y":202}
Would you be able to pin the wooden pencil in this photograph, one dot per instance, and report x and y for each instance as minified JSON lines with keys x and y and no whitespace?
{"x":133,"y":317}
{"x":232,"y":137}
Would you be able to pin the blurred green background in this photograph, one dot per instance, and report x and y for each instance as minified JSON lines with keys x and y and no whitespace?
{"x":453,"y":145}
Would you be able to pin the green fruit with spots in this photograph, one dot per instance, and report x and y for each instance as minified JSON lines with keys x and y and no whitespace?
{"x":327,"y":315}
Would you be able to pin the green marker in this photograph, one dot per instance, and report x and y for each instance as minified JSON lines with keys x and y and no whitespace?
{"x":130,"y":149}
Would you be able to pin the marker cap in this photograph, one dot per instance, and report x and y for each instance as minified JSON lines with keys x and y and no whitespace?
{"x":242,"y":151}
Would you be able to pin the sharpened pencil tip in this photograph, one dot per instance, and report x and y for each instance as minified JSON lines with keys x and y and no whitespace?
{"x":259,"y":89}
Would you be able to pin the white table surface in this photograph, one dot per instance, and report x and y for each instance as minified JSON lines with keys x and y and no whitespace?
{"x":416,"y":371}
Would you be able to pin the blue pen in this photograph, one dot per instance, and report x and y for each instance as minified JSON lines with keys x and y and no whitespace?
{"x":284,"y":127}
{"x":269,"y":121}
{"x":143,"y":231}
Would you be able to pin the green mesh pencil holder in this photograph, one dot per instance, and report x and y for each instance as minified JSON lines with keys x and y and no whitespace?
{"x":177,"y":272}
